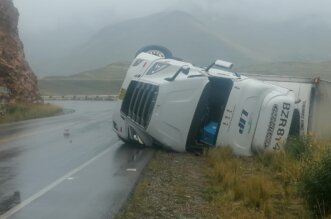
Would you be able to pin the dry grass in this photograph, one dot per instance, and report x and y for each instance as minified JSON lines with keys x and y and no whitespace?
{"x":19,"y":112}
{"x":222,"y":185}
{"x":259,"y":187}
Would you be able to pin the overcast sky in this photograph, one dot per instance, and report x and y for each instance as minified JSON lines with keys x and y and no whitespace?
{"x":40,"y":15}
{"x":46,"y":24}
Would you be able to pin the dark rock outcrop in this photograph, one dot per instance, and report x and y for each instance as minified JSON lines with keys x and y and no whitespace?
{"x":15,"y":73}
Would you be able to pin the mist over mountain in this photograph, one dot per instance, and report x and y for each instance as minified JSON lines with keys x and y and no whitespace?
{"x":300,"y":39}
{"x":197,"y":39}
{"x":184,"y":35}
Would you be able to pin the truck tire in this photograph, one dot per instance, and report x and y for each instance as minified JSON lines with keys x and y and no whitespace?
{"x":156,"y":50}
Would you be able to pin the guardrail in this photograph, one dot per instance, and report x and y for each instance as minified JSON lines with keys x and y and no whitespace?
{"x":82,"y":97}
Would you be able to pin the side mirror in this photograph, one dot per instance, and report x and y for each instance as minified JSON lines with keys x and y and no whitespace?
{"x":223,"y":64}
{"x":220,"y":63}
{"x":184,"y":69}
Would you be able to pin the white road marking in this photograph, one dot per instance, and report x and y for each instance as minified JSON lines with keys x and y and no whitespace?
{"x":131,"y":170}
{"x":71,"y":178}
{"x":55,"y":183}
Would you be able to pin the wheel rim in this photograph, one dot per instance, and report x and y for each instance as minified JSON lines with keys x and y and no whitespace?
{"x":156,"y":53}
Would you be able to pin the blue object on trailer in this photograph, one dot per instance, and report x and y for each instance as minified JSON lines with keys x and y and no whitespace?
{"x":209,"y":133}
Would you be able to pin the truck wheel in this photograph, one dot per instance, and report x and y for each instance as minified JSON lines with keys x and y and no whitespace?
{"x":156,"y":50}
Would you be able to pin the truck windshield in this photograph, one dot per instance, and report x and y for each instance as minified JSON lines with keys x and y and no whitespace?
{"x":209,"y":112}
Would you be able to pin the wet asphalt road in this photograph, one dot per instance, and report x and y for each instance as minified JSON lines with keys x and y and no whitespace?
{"x":88,"y":174}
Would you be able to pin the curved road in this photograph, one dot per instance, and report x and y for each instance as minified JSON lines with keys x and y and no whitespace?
{"x":86,"y":174}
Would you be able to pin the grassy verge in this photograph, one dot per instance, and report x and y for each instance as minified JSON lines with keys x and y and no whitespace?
{"x":257,"y":187}
{"x":222,"y":185}
{"x":18,"y":112}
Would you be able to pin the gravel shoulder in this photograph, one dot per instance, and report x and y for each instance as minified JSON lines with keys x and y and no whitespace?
{"x":170,"y":187}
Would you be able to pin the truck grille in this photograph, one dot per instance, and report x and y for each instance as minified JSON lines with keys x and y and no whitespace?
{"x":139,"y":101}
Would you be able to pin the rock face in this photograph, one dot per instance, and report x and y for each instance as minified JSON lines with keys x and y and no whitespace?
{"x":16,"y":76}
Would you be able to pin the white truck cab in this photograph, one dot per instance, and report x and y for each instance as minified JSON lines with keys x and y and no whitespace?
{"x":172,"y":103}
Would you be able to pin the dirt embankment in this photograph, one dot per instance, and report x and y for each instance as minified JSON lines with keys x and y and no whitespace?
{"x":16,"y":76}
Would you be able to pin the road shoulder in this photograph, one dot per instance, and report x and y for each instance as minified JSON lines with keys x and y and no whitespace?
{"x":170,"y":187}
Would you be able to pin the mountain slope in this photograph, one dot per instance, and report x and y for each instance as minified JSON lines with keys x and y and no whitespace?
{"x":322,"y":69}
{"x":299,"y":39}
{"x":185,"y":36}
{"x":108,"y":79}
{"x":105,"y":80}
{"x":114,"y":71}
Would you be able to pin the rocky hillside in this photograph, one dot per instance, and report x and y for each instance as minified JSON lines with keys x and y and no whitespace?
{"x":15,"y":72}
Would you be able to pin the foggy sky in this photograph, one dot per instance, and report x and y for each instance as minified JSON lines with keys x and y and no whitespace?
{"x":53,"y":29}
{"x":43,"y":15}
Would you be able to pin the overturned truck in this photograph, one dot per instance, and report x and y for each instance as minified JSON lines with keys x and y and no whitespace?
{"x":169,"y":102}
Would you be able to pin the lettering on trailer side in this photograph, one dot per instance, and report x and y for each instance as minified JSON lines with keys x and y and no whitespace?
{"x":281,"y":126}
{"x":271,"y":127}
{"x":242,"y":121}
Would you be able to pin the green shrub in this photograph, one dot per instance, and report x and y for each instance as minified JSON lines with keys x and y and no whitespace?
{"x":18,"y":108}
{"x":298,"y":147}
{"x":315,"y":186}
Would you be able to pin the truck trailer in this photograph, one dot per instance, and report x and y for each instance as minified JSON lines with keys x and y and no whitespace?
{"x":172,"y":103}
